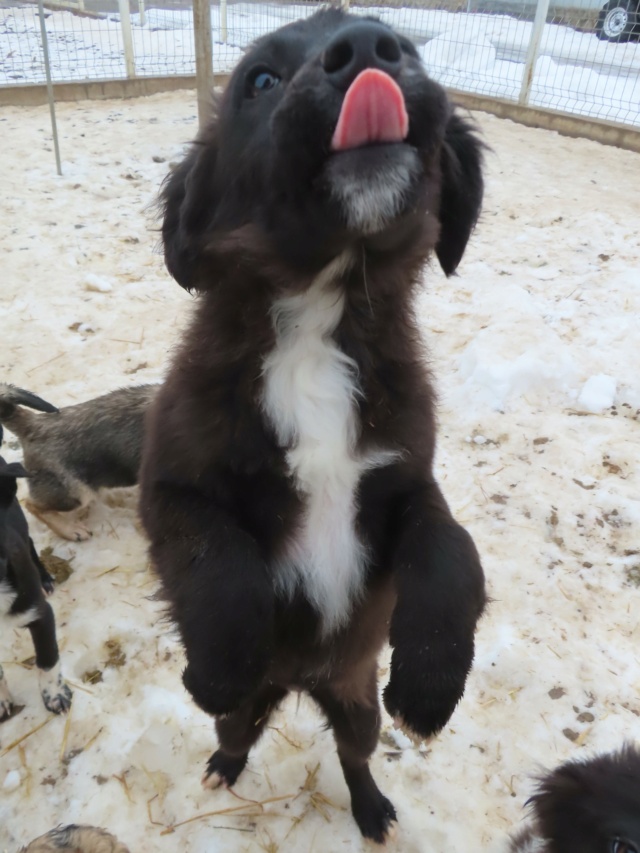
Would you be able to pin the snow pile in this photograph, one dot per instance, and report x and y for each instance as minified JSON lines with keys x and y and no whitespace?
{"x":598,"y":393}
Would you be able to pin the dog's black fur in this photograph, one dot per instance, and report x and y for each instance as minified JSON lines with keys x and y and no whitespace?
{"x":590,"y":806}
{"x":23,"y":584}
{"x":256,"y":211}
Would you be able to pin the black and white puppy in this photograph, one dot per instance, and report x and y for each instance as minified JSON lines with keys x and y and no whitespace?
{"x":23,"y":584}
{"x":71,"y":453}
{"x":590,"y":806}
{"x":287,"y":478}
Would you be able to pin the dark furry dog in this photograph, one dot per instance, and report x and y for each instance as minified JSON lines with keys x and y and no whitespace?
{"x":23,"y":584}
{"x":588,"y":806}
{"x":287,"y":482}
{"x":72,"y":452}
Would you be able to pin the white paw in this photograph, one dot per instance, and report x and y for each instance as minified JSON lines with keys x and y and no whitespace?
{"x":6,"y":702}
{"x":56,"y":693}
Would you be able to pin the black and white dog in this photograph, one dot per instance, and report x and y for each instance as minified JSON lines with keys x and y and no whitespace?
{"x":23,"y":584}
{"x":287,"y":477}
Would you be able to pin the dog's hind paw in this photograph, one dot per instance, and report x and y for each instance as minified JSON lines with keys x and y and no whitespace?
{"x":6,"y":702}
{"x":56,"y":693}
{"x":6,"y":709}
{"x":223,"y":770}
{"x":376,"y":819}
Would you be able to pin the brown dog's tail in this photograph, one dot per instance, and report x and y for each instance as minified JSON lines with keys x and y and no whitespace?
{"x":11,"y":415}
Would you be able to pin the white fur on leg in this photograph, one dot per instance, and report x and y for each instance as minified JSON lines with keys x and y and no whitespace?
{"x":310,"y":393}
{"x":8,"y":596}
{"x":56,"y":693}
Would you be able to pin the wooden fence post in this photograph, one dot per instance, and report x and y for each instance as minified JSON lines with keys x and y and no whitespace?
{"x":204,"y":58}
{"x":539,"y":22}
{"x":127,"y":38}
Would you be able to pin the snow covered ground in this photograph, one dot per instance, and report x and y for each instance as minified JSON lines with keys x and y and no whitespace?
{"x":535,"y":350}
{"x":473,"y":52}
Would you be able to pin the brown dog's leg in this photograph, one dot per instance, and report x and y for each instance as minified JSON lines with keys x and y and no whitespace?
{"x":64,"y":524}
{"x":356,"y":726}
{"x":237,"y":732}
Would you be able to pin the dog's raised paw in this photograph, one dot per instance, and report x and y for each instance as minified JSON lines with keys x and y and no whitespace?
{"x":414,"y":737}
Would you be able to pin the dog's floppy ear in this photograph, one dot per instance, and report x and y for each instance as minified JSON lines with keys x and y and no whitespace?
{"x":189,"y":203}
{"x":12,"y":469}
{"x":461,"y":193}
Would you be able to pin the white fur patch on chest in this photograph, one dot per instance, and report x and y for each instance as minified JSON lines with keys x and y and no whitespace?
{"x":310,"y":392}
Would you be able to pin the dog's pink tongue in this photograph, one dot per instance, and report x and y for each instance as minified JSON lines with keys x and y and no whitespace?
{"x":373,"y":110}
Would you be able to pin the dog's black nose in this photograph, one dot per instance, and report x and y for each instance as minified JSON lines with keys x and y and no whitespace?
{"x":365,"y":44}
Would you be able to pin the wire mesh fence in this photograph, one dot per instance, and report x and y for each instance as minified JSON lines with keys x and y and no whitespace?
{"x":587,"y":61}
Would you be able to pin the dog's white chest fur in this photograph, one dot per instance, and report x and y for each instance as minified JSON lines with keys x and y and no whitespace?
{"x":310,"y":396}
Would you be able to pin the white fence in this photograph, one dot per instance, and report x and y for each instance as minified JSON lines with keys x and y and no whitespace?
{"x":583,"y":60}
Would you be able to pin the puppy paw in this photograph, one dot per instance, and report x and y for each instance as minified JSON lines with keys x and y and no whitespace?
{"x":423,"y":693}
{"x":56,"y":693}
{"x":79,"y":533}
{"x":6,"y":709}
{"x":6,"y":702}
{"x":48,"y":584}
{"x":418,"y":740}
{"x":376,"y":818}
{"x":223,"y":770}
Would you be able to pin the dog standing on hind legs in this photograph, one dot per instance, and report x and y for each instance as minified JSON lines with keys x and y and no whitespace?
{"x":287,"y":481}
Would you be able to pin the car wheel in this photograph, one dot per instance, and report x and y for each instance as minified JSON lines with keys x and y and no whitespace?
{"x":618,"y":20}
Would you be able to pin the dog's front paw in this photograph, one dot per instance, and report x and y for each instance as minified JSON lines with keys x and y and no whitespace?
{"x":56,"y":693}
{"x":223,"y":770}
{"x":48,"y":583}
{"x":424,"y":689}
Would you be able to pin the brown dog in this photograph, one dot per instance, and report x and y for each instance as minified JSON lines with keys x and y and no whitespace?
{"x":72,"y":452}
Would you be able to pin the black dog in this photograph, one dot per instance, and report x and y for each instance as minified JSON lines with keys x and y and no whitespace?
{"x":287,"y":476}
{"x":23,"y":584}
{"x":590,"y":806}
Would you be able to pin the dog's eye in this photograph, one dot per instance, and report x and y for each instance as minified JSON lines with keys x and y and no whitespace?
{"x":617,"y":845}
{"x":261,"y":80}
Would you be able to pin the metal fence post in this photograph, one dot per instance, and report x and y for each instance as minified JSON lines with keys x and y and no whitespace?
{"x":204,"y":58}
{"x":47,"y":70}
{"x":539,"y":22}
{"x":127,"y":38}
{"x":141,"y":12}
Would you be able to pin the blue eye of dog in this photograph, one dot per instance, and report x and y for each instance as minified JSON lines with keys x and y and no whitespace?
{"x":619,"y":846}
{"x":262,"y":81}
